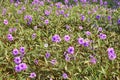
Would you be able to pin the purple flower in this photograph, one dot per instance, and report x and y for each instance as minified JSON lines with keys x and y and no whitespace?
{"x":92,"y":59}
{"x":88,"y":33}
{"x":22,"y":49}
{"x":32,"y":75}
{"x":53,"y":61}
{"x":67,"y":27}
{"x":118,"y":21}
{"x":102,"y":36}
{"x":98,"y":17}
{"x":84,"y":1}
{"x":48,"y":1}
{"x":110,"y":50}
{"x":101,"y":2}
{"x":61,"y":12}
{"x":82,"y":18}
{"x":94,"y":0}
{"x":19,"y":12}
{"x":67,"y":38}
{"x":76,"y":1}
{"x":15,"y":52}
{"x":86,"y":43}
{"x":119,"y":3}
{"x":65,"y":53}
{"x":16,"y":4}
{"x":51,"y":4}
{"x":58,"y":5}
{"x":17,"y":68}
{"x":41,"y":3}
{"x":56,"y":38}
{"x":57,"y":13}
{"x":80,"y":41}
{"x":70,"y":50}
{"x":29,"y":19}
{"x":111,"y":56}
{"x":105,"y":3}
{"x":11,"y":1}
{"x":66,"y":1}
{"x":109,"y":17}
{"x":46,"y":21}
{"x":67,"y":58}
{"x":66,"y":15}
{"x":99,"y":28}
{"x":36,"y":61}
{"x":12,"y":30}
{"x":89,"y":12}
{"x":10,"y":37}
{"x":65,"y":76}
{"x":23,"y":66}
{"x":47,"y":13}
{"x":80,"y":27}
{"x":6,"y":22}
{"x":47,"y":55}
{"x":17,"y":60}
{"x":35,"y":2}
{"x":33,"y":35}
{"x":17,"y":1}
{"x":23,"y":8}
{"x":111,"y":53}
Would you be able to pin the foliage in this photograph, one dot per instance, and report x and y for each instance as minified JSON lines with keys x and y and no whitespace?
{"x":35,"y":33}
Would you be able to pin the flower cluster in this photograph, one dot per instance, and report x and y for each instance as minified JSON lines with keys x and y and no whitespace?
{"x":28,"y":18}
{"x":111,"y":53}
{"x":102,"y":36}
{"x":6,"y":22}
{"x":18,"y":59}
{"x":10,"y":37}
{"x":84,"y":42}
{"x":56,"y":38}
